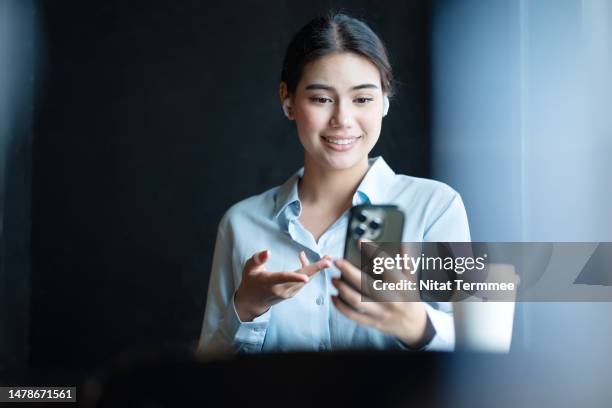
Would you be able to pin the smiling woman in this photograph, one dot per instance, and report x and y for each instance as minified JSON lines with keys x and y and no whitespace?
{"x":338,"y":107}
{"x":271,"y":285}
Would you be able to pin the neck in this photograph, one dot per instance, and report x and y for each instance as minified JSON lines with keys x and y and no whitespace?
{"x":330,"y":187}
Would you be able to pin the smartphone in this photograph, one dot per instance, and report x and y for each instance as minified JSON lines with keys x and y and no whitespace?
{"x":377,"y":223}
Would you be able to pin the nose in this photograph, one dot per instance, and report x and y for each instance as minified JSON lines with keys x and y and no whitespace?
{"x":341,"y":117}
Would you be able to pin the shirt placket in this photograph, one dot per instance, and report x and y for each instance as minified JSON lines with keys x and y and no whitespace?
{"x":330,"y":243}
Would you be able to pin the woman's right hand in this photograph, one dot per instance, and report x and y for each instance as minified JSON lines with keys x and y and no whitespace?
{"x":260,"y":289}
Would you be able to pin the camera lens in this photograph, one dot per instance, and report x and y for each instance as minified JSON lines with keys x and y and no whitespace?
{"x":360,"y":230}
{"x":375,"y":224}
{"x":361,"y":217}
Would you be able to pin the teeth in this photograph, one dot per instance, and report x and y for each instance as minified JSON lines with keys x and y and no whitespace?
{"x":340,"y":141}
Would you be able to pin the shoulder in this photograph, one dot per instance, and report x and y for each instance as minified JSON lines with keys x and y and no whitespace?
{"x":437,"y":210}
{"x":249,"y":210}
{"x":424,"y":190}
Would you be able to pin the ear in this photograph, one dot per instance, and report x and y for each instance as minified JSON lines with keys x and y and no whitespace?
{"x":285,"y":100}
{"x":283,"y":93}
{"x":385,"y":105}
{"x":287,"y":109}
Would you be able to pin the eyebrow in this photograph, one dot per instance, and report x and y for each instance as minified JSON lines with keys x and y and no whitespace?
{"x":331,"y":88}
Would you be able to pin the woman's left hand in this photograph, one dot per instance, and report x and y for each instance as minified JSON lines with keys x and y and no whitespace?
{"x":406,"y":320}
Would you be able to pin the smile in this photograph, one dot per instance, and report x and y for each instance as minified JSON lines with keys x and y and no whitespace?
{"x":340,"y":144}
{"x":341,"y":140}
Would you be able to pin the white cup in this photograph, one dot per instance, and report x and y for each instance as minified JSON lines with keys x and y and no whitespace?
{"x":486,"y":326}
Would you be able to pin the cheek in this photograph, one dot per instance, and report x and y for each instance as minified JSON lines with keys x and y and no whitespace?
{"x":312,"y":119}
{"x":371,"y":122}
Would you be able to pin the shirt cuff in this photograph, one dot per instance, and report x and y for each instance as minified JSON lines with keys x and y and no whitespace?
{"x":443,"y":338}
{"x":245,"y":336}
{"x":442,"y":322}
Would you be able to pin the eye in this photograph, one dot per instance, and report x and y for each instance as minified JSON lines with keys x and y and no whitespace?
{"x":321,"y":100}
{"x":363,"y":100}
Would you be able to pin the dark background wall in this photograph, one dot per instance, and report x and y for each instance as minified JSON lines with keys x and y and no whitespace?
{"x":151,"y":119}
{"x":17,"y":60}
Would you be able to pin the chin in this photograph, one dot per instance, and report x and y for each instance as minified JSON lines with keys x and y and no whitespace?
{"x":340,"y":162}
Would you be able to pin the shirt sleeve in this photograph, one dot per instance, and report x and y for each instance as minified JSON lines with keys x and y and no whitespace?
{"x":450,"y":226}
{"x":222,"y":329}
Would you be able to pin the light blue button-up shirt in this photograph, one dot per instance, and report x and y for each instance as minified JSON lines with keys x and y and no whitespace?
{"x":309,"y":321}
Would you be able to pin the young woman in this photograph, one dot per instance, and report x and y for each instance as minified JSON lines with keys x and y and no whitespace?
{"x":274,"y":283}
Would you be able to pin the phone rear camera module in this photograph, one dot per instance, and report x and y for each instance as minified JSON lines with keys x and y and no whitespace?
{"x":375,"y":224}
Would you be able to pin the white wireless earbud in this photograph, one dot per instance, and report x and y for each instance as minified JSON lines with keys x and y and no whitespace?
{"x":385,"y":105}
{"x":286,"y":106}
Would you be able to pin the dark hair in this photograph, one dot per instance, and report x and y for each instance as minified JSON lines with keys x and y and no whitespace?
{"x":335,"y":32}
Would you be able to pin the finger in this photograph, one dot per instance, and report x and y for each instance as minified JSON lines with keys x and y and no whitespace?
{"x":257,"y":261}
{"x":393,"y":274}
{"x":358,"y":301}
{"x":303,"y":259}
{"x":289,"y":289}
{"x":315,"y":267}
{"x":350,"y":272}
{"x":359,"y":280}
{"x":275,"y":278}
{"x":371,"y":250}
{"x":290,"y":286}
{"x":362,"y":240}
{"x":353,"y":314}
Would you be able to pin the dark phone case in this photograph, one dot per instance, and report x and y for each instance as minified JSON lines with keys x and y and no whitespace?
{"x":391,"y":229}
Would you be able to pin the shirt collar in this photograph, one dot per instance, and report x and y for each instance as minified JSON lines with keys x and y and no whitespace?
{"x":377,"y":181}
{"x":374,"y":186}
{"x":288,"y":194}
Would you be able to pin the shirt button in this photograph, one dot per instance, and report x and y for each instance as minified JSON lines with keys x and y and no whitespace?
{"x":320,"y":300}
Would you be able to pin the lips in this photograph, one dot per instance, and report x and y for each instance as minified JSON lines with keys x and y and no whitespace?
{"x":340,"y":144}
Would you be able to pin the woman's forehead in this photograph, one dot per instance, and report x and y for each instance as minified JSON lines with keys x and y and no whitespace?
{"x":340,"y":72}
